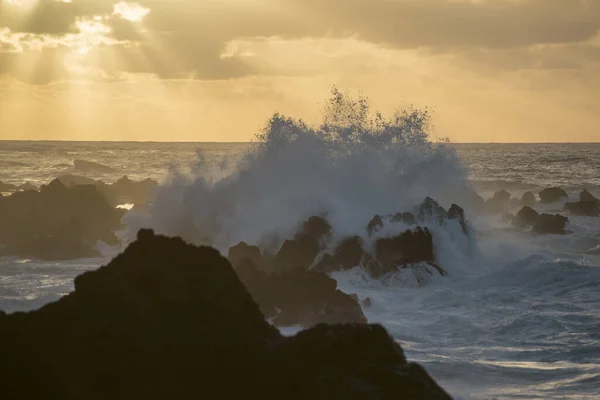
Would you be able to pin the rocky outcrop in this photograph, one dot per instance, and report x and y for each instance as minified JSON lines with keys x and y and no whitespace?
{"x":57,"y":223}
{"x":551,"y":195}
{"x":301,"y":251}
{"x":27,"y":186}
{"x":551,"y":225}
{"x":169,"y":320}
{"x":583,"y":208}
{"x":527,"y":217}
{"x":123,"y":191}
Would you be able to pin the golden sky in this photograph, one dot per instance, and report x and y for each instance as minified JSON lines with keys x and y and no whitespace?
{"x":215,"y":70}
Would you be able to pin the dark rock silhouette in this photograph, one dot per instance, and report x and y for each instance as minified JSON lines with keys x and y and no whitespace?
{"x":551,"y":225}
{"x":27,"y":186}
{"x":90,"y":166}
{"x":528,"y":199}
{"x":302,"y":250}
{"x":127,"y":191}
{"x":349,"y":253}
{"x":430,"y":210}
{"x":551,"y":195}
{"x":586,"y":196}
{"x":407,"y":248}
{"x":583,"y":208}
{"x":57,"y":223}
{"x":499,"y":203}
{"x":374,"y":224}
{"x":123,"y":191}
{"x":404,"y":217}
{"x":169,"y":320}
{"x":292,"y":296}
{"x":457,"y":213}
{"x":7,"y":187}
{"x":527,"y":217}
{"x":475,"y":201}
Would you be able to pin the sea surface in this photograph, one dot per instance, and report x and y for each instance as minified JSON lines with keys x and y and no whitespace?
{"x":518,"y":320}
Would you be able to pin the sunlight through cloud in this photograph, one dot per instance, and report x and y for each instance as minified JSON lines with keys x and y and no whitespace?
{"x":130,"y":11}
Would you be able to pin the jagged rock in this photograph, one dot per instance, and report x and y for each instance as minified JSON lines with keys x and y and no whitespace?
{"x":528,"y":199}
{"x":430,"y":210}
{"x":7,"y":187}
{"x":76,"y":180}
{"x":405,"y":217}
{"x":242,"y":252}
{"x":375,"y":224}
{"x":293,"y":297}
{"x":348,"y":254}
{"x":499,"y":202}
{"x":586,"y":196}
{"x":583,"y":208}
{"x":476,"y":202}
{"x":551,"y":195}
{"x":302,"y":251}
{"x":127,"y":191}
{"x":27,"y":186}
{"x":90,"y":166}
{"x":551,"y":225}
{"x":406,"y":248}
{"x":527,"y":217}
{"x":57,"y":222}
{"x":457,"y":213}
{"x":169,"y":320}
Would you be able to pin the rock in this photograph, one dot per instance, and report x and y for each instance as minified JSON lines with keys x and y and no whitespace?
{"x":349,"y":253}
{"x":90,"y":166}
{"x":476,"y":202}
{"x":514,"y":203}
{"x":457,"y":213}
{"x":126,"y":191}
{"x":166,"y":319}
{"x":528,"y":199}
{"x":551,"y":225}
{"x":551,"y":195}
{"x":243,"y":252}
{"x":27,"y":186}
{"x":7,"y":187}
{"x":76,"y":180}
{"x":293,"y":297}
{"x":499,"y":202}
{"x":527,"y":217}
{"x":406,"y":248}
{"x":405,"y":217}
{"x":375,"y":224}
{"x":586,"y":196}
{"x":302,"y":251}
{"x":430,"y":210}
{"x":583,"y":208}
{"x":57,"y":223}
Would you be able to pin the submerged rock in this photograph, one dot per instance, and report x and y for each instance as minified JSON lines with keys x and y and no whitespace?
{"x":57,"y":223}
{"x":583,"y":208}
{"x":551,"y":195}
{"x":169,"y":320}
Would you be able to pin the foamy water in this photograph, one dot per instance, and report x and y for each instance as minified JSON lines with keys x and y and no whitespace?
{"x":518,"y":316}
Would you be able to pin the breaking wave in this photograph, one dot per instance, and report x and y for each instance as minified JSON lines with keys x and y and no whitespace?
{"x":352,"y":165}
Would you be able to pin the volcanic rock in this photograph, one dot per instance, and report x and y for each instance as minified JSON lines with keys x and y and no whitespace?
{"x":406,"y":248}
{"x":349,"y":253}
{"x":586,"y":196}
{"x":551,"y":195}
{"x":27,"y":186}
{"x":166,"y":319}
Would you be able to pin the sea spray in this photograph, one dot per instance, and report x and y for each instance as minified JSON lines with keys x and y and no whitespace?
{"x":353,"y":165}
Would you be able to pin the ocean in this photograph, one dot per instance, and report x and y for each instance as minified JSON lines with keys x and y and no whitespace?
{"x":518,"y":319}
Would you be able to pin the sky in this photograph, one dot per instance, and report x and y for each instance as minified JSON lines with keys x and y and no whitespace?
{"x":216,"y":70}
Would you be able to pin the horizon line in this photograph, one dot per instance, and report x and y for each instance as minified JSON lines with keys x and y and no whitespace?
{"x":247,"y":142}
